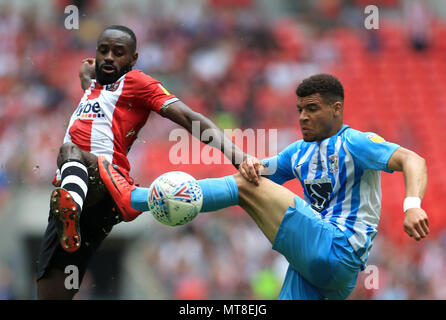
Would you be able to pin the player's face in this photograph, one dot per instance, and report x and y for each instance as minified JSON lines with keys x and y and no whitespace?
{"x":114,"y":56}
{"x":318,"y":120}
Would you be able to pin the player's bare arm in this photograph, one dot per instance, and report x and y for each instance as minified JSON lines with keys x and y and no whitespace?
{"x":416,"y":223}
{"x":181,"y":114}
{"x":87,"y":72}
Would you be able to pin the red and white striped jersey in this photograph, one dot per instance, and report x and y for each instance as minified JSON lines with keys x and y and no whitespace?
{"x":109,"y":118}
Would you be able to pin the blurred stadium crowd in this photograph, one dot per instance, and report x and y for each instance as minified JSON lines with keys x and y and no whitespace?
{"x":238,"y":62}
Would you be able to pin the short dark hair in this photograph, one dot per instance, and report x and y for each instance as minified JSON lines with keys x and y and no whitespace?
{"x":328,"y":86}
{"x":126,"y":30}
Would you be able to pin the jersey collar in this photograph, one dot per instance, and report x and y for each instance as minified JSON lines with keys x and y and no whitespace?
{"x":344,"y":127}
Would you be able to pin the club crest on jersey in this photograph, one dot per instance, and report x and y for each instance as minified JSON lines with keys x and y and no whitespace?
{"x":333,"y":163}
{"x":112,"y":86}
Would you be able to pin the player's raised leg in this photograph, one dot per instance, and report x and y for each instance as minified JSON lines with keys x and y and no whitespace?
{"x":266,"y":203}
{"x":311,"y":246}
{"x":316,"y":250}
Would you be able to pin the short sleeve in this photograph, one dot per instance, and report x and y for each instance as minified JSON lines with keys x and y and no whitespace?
{"x":280,"y":168}
{"x":151,"y":92}
{"x":370,"y":150}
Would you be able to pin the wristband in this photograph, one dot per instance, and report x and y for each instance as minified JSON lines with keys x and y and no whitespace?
{"x":411,"y":202}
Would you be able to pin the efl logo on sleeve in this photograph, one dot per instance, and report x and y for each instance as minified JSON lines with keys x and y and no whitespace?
{"x":164,"y":90}
{"x":375,"y":138}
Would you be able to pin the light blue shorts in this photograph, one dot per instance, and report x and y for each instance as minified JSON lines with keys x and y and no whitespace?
{"x":322,"y":262}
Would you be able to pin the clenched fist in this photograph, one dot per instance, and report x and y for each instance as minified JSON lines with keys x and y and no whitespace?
{"x":416,"y":223}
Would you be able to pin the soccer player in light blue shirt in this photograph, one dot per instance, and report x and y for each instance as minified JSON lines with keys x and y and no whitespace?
{"x":326,"y":236}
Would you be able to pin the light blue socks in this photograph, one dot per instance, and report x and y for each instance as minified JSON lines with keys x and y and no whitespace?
{"x":138,"y":199}
{"x":218,"y":193}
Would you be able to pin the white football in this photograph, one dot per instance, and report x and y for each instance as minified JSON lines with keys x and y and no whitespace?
{"x":175,"y":198}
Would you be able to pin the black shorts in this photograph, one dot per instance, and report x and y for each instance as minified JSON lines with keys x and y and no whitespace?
{"x":96,"y":222}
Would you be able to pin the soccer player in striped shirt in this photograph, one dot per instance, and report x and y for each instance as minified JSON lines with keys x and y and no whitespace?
{"x":116,"y":104}
{"x":326,"y":236}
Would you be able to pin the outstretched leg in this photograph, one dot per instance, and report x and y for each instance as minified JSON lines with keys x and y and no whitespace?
{"x":317,"y":251}
{"x":266,"y":203}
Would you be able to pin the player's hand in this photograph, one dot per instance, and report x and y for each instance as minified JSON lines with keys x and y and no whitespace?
{"x":87,"y":68}
{"x":416,"y":223}
{"x":250,"y":169}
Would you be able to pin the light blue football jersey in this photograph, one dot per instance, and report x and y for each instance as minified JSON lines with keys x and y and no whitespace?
{"x":341,"y":179}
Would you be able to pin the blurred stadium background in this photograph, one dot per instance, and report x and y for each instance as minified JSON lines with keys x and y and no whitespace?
{"x":238,"y":62}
